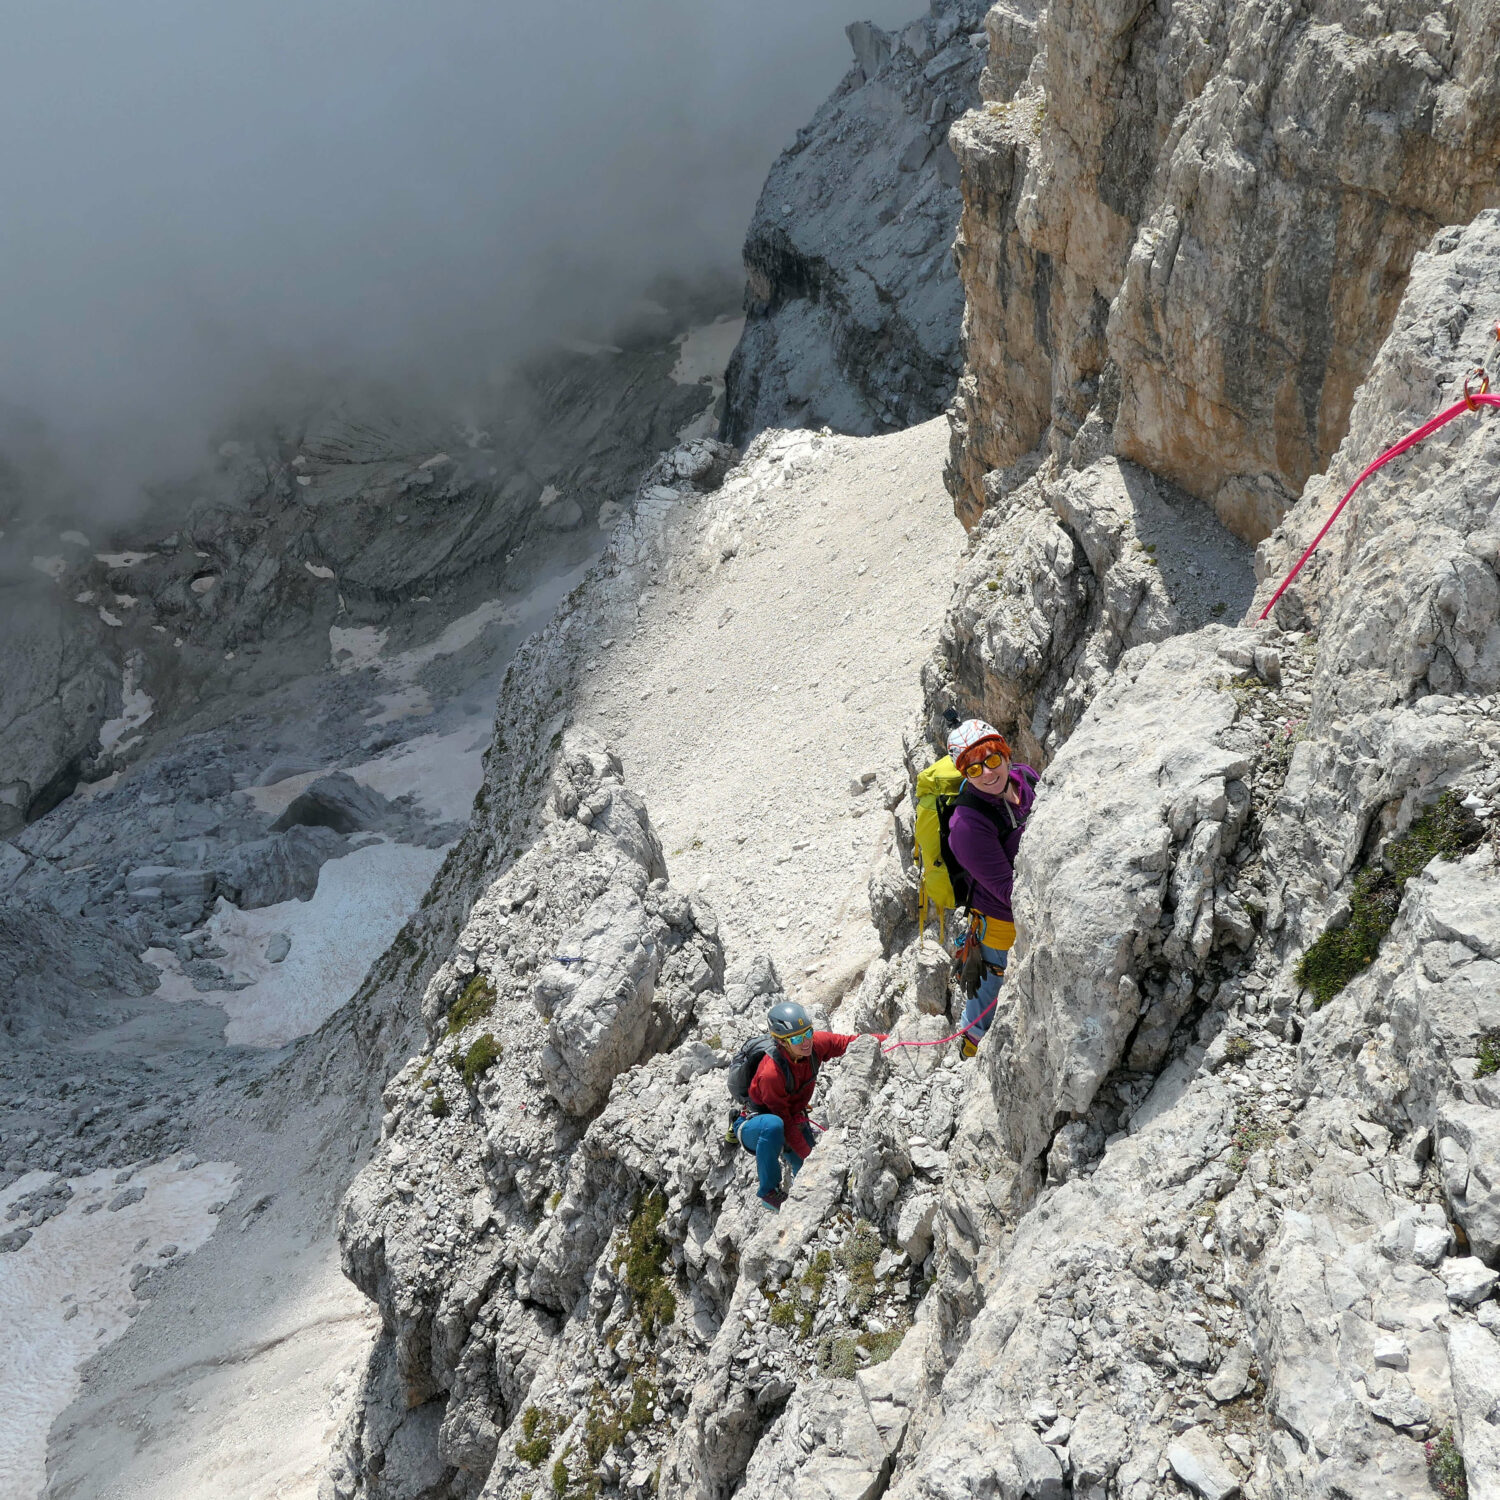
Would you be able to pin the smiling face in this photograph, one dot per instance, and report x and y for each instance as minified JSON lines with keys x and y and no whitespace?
{"x":994,"y":782}
{"x":798,"y":1049}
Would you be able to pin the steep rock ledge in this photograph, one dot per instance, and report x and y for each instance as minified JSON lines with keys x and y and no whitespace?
{"x":1200,"y":219}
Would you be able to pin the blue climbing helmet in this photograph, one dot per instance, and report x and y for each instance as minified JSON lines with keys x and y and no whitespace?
{"x":787,"y":1019}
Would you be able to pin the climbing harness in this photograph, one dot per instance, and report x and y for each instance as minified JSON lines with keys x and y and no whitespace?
{"x":1471,"y":401}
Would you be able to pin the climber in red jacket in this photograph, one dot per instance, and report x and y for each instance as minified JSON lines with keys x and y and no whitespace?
{"x":780,"y":1092}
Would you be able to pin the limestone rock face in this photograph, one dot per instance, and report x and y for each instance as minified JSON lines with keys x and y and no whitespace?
{"x":1244,"y":1189}
{"x":50,"y":970}
{"x":1216,"y":206}
{"x":853,"y":303}
{"x":1179,"y":1223}
{"x":1153,"y":785}
{"x":1067,"y":571}
{"x":57,"y":689}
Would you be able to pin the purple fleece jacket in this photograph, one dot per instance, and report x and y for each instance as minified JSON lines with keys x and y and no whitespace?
{"x":987,"y":859}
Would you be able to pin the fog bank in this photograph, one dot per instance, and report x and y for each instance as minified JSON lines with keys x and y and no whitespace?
{"x":204,"y":200}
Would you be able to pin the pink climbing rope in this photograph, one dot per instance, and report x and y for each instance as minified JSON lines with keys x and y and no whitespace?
{"x":982,"y":1014}
{"x":1468,"y":403}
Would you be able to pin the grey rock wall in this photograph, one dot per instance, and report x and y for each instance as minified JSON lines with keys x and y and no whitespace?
{"x":853,"y":306}
{"x":1215,"y":205}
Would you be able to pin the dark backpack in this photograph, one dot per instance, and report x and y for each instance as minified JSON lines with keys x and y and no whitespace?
{"x":1003,"y":817}
{"x":746,"y":1063}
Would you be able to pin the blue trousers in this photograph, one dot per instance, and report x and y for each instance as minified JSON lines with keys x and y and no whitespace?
{"x":976,"y":1023}
{"x":765,"y":1135}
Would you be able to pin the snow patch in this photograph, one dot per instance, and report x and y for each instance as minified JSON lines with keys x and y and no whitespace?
{"x":53,"y":567}
{"x":463,"y":631}
{"x":83,"y":1261}
{"x":443,"y":771}
{"x":136,"y":708}
{"x":411,"y":702}
{"x":360,"y":904}
{"x":704,"y":352}
{"x":353,"y":648}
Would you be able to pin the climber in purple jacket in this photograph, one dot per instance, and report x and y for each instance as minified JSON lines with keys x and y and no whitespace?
{"x":984,"y":835}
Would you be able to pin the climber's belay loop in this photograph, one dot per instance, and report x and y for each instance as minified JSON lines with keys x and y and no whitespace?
{"x":1468,"y":403}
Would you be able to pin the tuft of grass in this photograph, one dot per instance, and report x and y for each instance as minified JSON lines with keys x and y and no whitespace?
{"x":838,"y":1356}
{"x":880,"y":1346}
{"x":858,"y":1255}
{"x":1489,"y":1052}
{"x":560,"y":1478}
{"x":1218,"y":610}
{"x":1238,"y":1049}
{"x":482,"y":1055}
{"x":644,"y":1260}
{"x":608,"y":1425}
{"x":538,"y":1428}
{"x":810,"y":1290}
{"x":1248,"y":1136}
{"x":438,"y":1105}
{"x":1447,"y":830}
{"x":475,"y":1001}
{"x":783,"y":1313}
{"x":1445,"y":1466}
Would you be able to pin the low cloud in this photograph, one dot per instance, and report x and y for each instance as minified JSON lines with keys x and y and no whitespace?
{"x":204,"y":203}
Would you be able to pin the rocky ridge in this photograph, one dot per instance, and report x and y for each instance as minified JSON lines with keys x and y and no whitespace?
{"x":853,"y":307}
{"x":1182,"y":1228}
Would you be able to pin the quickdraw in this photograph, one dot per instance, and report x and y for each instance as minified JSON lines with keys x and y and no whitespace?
{"x":1471,"y":401}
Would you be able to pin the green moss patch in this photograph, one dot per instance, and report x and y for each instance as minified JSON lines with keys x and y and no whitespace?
{"x":482,"y":1055}
{"x":643,"y":1263}
{"x":1447,"y":830}
{"x":1445,"y":1466}
{"x":538,"y":1428}
{"x":475,"y":1001}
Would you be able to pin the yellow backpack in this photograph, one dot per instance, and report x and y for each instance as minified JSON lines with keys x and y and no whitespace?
{"x":944,"y":885}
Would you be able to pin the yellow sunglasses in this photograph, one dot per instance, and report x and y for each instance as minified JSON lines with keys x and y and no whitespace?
{"x":991,"y":762}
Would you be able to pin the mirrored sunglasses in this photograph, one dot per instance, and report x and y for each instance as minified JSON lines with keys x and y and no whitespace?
{"x":991,"y":762}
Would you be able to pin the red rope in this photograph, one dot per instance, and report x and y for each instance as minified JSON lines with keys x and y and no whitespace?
{"x":982,"y":1014}
{"x":1469,"y":403}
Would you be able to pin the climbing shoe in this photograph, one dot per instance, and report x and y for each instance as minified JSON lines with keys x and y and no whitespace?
{"x":773,"y":1201}
{"x":968,"y":1048}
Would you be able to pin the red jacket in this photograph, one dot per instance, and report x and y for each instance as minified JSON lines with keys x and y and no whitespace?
{"x":768,"y":1088}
